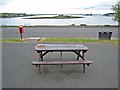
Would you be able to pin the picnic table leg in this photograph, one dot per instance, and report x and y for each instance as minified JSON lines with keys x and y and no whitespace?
{"x":78,"y":55}
{"x":61,"y":66}
{"x":61,"y":58}
{"x":40,"y":56}
{"x":39,"y":69}
{"x":83,"y":55}
{"x":83,"y":68}
{"x":61,"y":54}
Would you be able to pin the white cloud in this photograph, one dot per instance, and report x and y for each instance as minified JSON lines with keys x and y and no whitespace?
{"x":50,"y":6}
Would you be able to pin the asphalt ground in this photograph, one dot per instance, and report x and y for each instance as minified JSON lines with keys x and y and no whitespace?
{"x":18,"y":72}
{"x":82,"y":32}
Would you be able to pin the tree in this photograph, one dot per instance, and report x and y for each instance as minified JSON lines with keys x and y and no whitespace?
{"x":116,"y":9}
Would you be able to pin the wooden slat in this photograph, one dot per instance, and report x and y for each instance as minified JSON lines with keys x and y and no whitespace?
{"x":61,"y":62}
{"x":60,"y":47}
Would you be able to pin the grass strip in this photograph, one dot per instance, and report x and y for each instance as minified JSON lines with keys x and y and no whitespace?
{"x":66,"y":40}
{"x":79,"y":40}
{"x":12,"y":40}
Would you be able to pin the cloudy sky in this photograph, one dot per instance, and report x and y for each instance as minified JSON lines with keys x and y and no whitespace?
{"x":57,"y":6}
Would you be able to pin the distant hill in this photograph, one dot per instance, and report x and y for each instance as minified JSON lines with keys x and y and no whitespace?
{"x":108,"y":14}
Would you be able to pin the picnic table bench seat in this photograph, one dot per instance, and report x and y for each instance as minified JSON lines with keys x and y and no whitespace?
{"x":84,"y":62}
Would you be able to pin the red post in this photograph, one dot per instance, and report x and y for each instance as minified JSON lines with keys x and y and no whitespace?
{"x":21,"y":30}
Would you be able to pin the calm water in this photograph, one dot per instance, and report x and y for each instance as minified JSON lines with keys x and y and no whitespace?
{"x":89,"y":20}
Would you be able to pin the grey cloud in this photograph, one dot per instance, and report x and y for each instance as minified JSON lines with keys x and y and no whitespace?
{"x":99,"y":6}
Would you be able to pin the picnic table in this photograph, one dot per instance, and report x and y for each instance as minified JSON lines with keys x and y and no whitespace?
{"x":78,"y":49}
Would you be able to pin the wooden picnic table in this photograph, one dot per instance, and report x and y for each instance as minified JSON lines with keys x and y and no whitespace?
{"x":78,"y":49}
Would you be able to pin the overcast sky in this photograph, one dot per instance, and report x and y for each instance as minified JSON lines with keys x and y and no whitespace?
{"x":57,"y":6}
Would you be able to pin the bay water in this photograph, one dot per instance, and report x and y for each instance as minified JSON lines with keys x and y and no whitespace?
{"x":88,"y":20}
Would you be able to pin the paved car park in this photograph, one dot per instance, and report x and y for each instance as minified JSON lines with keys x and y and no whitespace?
{"x":18,"y":72}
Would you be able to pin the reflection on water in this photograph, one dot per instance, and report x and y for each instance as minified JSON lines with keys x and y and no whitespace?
{"x":89,"y":20}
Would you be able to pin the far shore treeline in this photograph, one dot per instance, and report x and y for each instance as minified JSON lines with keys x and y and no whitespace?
{"x":10,"y":15}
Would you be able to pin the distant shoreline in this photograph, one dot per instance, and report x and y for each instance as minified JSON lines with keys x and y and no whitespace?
{"x":82,"y":25}
{"x":12,"y":15}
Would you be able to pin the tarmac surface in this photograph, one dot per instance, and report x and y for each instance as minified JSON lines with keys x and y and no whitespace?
{"x":82,"y":32}
{"x":18,"y":72}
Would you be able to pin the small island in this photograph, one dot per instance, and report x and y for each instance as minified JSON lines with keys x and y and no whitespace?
{"x":54,"y":17}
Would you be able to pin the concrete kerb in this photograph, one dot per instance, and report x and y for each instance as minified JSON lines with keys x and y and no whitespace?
{"x":34,"y":39}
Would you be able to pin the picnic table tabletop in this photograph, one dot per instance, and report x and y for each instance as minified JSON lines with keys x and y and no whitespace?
{"x":41,"y":47}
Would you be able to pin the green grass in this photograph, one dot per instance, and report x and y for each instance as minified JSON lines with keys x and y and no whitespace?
{"x":79,"y":40}
{"x":75,"y":40}
{"x":11,"y":40}
{"x":66,"y":40}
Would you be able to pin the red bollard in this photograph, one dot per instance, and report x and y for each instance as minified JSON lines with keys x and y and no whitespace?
{"x":21,"y":31}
